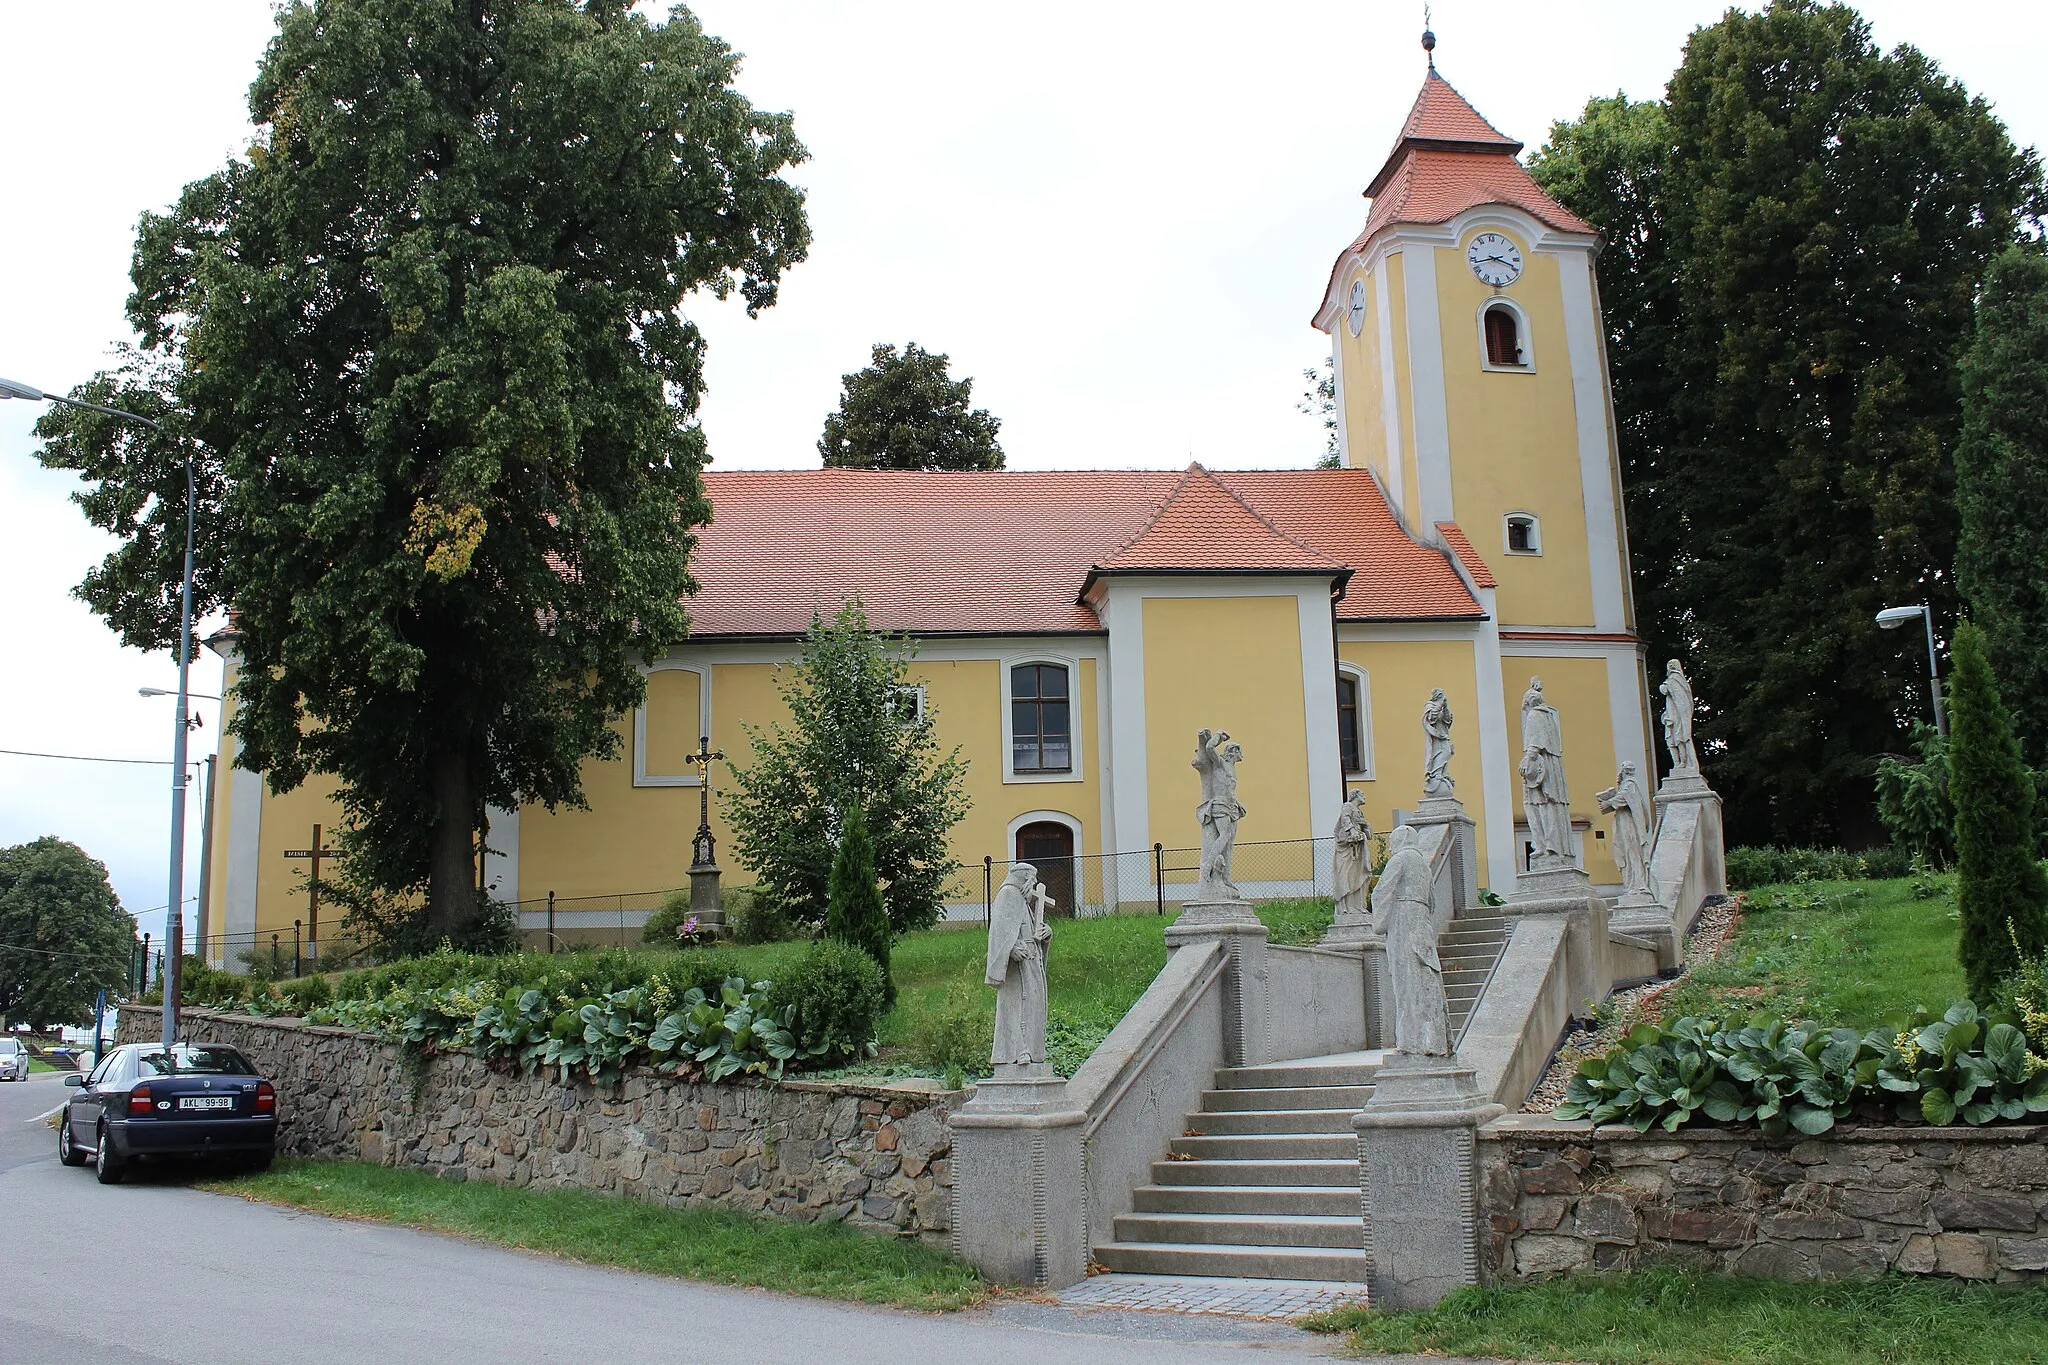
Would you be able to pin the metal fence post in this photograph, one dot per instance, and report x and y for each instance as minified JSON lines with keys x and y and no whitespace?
{"x":1159,"y":879}
{"x":295,"y":950}
{"x":275,"y":958}
{"x":988,"y":888}
{"x":551,"y":921}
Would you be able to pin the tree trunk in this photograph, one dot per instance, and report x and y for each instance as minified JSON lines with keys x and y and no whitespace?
{"x":451,"y":853}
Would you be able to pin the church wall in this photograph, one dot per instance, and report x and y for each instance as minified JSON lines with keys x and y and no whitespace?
{"x":280,"y":882}
{"x":1361,"y":385}
{"x":1400,"y":675}
{"x":1513,"y":438}
{"x":1578,"y":688}
{"x":1233,"y":663}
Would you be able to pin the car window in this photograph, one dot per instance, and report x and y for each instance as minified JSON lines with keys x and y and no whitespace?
{"x":104,"y":1069}
{"x":186,"y":1060}
{"x":8,"y":1047}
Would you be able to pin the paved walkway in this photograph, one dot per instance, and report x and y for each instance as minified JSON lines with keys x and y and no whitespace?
{"x":1263,"y":1300}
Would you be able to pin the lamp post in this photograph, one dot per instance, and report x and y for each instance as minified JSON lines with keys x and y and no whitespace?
{"x":174,"y":914}
{"x":199,"y":917}
{"x":1891,"y":618}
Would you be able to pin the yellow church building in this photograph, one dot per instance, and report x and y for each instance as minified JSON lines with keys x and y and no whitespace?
{"x":1075,"y":629}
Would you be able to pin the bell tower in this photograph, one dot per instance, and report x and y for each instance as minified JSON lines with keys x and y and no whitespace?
{"x":1471,"y":366}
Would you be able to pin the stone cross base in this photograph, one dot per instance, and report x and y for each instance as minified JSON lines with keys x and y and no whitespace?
{"x":1234,"y":926}
{"x":1567,"y":892}
{"x":1418,"y":1174}
{"x":1019,"y":1202}
{"x":705,"y":901}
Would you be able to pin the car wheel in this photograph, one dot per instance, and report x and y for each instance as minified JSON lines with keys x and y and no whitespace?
{"x":67,"y":1150}
{"x":108,"y":1166}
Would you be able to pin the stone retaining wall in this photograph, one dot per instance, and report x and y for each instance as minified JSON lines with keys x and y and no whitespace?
{"x":875,"y":1156}
{"x":1964,"y":1202}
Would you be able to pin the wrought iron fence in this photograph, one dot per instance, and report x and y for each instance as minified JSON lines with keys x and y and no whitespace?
{"x":552,"y":923}
{"x":277,"y":953}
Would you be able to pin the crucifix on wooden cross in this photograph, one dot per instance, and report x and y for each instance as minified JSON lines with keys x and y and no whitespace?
{"x":313,"y":855}
{"x":704,"y":848}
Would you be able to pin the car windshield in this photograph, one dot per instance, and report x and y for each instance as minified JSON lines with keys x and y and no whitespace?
{"x":186,"y":1060}
{"x":8,"y":1047}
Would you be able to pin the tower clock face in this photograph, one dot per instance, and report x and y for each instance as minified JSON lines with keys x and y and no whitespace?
{"x":1494,"y":259}
{"x":1357,"y":306}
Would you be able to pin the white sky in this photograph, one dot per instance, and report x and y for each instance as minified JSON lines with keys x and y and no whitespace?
{"x":1117,"y":218}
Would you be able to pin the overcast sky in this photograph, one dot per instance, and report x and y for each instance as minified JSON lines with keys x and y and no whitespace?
{"x":1117,"y":218}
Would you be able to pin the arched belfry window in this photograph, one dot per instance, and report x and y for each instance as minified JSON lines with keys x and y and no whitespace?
{"x":1522,"y":533}
{"x":1503,"y":336}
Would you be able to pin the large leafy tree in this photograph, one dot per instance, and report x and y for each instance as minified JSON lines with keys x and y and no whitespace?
{"x":2001,"y":890}
{"x":430,"y":334}
{"x":2002,"y":485}
{"x":906,"y":411}
{"x":63,"y":934}
{"x":855,"y":737}
{"x":1820,"y":215}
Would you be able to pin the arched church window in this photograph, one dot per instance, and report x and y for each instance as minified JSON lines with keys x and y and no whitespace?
{"x":1524,"y":534}
{"x":1503,"y":336}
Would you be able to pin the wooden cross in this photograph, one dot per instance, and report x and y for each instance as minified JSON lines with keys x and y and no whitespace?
{"x":704,"y":848}
{"x":314,"y":854}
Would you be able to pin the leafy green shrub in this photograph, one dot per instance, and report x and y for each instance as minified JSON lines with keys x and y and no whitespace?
{"x":835,"y":995}
{"x":944,"y":1039}
{"x":855,"y":913}
{"x":1765,"y":865}
{"x":665,"y":927}
{"x":305,"y":993}
{"x":1887,"y":861}
{"x":1069,"y":1041}
{"x":1964,"y":1065}
{"x":1297,"y":923}
{"x":204,"y":987}
{"x":753,"y":914}
{"x":1913,"y":801}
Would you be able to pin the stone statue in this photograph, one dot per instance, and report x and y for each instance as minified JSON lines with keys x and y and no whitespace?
{"x":1353,"y":873}
{"x":1632,"y":830}
{"x":1545,"y":803}
{"x":1404,"y":910}
{"x":1017,"y":935}
{"x":1677,"y":690}
{"x":1216,"y":760}
{"x":1437,"y":747}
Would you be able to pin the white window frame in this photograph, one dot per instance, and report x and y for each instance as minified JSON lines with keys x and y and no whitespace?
{"x":917,"y":696}
{"x":1525,"y":337}
{"x":1077,"y":770}
{"x":1507,"y":521}
{"x":1364,"y":773}
{"x":643,"y":778}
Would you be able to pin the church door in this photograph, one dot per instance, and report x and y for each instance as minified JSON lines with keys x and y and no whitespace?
{"x":1049,"y":847}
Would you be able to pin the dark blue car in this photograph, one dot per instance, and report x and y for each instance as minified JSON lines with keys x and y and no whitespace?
{"x":195,"y":1099}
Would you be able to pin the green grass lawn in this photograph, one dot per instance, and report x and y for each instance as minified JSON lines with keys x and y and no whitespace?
{"x":1673,"y":1317}
{"x":827,"y":1260}
{"x":1853,"y":953}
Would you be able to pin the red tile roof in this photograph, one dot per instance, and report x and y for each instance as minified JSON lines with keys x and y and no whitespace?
{"x":1454,"y":537}
{"x":1007,"y":551}
{"x":1204,"y":526}
{"x":1443,"y":118}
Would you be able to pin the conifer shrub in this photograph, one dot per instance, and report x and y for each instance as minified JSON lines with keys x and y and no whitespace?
{"x":2001,"y":892}
{"x":854,"y":911}
{"x":837,"y":991}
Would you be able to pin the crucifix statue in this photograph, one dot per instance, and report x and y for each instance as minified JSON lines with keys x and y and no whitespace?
{"x":704,"y":848}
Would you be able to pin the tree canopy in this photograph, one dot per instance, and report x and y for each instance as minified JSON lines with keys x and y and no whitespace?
{"x":427,"y":338}
{"x":63,"y":934}
{"x":2002,"y":485}
{"x":856,"y":736}
{"x":1795,"y":254}
{"x":906,"y":411}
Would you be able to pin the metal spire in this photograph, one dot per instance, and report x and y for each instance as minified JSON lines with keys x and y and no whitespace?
{"x":1428,"y":38}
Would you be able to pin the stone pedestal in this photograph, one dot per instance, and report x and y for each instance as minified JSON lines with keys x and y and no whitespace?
{"x":1019,"y":1202}
{"x":1448,"y":814}
{"x":1418,"y":1174}
{"x":1640,"y":916}
{"x":1691,"y":790}
{"x":705,"y":902}
{"x":1567,"y":892}
{"x":1235,"y":927}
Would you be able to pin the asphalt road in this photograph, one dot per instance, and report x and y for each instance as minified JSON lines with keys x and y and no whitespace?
{"x":153,"y":1271}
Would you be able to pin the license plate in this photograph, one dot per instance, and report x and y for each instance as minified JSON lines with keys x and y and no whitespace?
{"x":206,"y":1102}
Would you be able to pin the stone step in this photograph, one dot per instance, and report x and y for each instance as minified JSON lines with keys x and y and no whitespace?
{"x":1270,"y":1147}
{"x":1481,"y":924}
{"x":1273,"y":1121}
{"x":1294,"y":1075}
{"x":1474,"y":975}
{"x":1335,"y":1201}
{"x":1349,"y":1098}
{"x":1244,"y":1262}
{"x":1333,"y":1171}
{"x":1322,"y":1231}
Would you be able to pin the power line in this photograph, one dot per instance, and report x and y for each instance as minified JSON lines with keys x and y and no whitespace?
{"x":90,"y":758}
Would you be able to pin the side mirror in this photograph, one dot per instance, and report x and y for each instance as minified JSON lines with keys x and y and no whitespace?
{"x":74,"y":1079}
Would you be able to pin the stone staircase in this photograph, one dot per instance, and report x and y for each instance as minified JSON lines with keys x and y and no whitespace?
{"x":1264,"y":1183}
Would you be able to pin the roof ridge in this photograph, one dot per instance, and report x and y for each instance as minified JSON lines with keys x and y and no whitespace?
{"x":1197,"y":472}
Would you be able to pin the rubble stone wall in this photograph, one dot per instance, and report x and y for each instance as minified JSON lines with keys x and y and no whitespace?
{"x":870,"y":1155}
{"x":1962,"y":1202}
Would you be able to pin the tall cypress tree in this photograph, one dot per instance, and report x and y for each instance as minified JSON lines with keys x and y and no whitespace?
{"x":2001,"y":891}
{"x":854,"y":911}
{"x":2002,"y":485}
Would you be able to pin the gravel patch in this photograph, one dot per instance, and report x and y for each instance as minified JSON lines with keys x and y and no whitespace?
{"x":1637,"y":1005}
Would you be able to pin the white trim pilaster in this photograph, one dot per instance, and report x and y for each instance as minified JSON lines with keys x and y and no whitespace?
{"x":1496,"y":756}
{"x":1390,"y":397}
{"x":1426,"y":388}
{"x":1597,"y":484}
{"x":501,"y":854}
{"x":245,"y":854}
{"x":1123,"y":612}
{"x":1319,"y":711}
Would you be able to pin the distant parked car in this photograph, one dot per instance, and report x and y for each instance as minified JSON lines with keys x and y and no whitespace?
{"x":13,"y":1059}
{"x":196,"y":1099}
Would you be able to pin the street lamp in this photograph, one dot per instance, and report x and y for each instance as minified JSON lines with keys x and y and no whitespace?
{"x":1891,"y":618}
{"x":174,"y":925}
